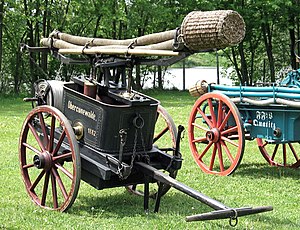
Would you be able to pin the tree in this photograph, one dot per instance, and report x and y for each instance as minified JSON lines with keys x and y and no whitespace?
{"x":272,"y":27}
{"x":1,"y":32}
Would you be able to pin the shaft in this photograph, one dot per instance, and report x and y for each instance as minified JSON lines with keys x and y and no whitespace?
{"x":166,"y":179}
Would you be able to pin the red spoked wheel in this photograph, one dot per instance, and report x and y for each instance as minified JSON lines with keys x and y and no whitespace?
{"x":216,"y":134}
{"x":165,"y":135}
{"x":283,"y":154}
{"x":49,"y":159}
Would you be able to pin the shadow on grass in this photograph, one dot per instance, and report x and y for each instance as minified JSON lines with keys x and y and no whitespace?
{"x":128,"y":205}
{"x":260,"y":170}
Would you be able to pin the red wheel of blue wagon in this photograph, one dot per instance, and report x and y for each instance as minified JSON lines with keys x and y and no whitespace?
{"x":49,"y":159}
{"x":216,"y":134}
{"x":280,"y":154}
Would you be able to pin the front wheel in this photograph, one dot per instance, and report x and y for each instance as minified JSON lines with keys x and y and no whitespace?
{"x":49,"y":159}
{"x":216,"y":134}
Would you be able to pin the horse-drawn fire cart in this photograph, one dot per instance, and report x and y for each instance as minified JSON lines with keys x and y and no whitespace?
{"x":97,"y":129}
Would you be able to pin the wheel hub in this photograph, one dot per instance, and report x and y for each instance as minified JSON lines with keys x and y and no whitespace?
{"x":213,"y":135}
{"x":43,"y":161}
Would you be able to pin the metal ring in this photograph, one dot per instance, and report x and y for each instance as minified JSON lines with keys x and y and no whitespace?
{"x":138,"y":122}
{"x":234,"y":218}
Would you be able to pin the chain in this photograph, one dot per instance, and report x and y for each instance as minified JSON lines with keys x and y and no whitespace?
{"x":120,"y":166}
{"x":134,"y":148}
{"x":138,"y":127}
{"x":146,"y":156}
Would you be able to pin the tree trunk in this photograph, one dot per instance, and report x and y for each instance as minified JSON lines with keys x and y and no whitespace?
{"x":154,"y":78}
{"x":120,"y":30}
{"x":62,"y":24}
{"x":45,"y":34}
{"x":1,"y":34}
{"x":114,"y":21}
{"x":159,"y":77}
{"x":138,"y":85}
{"x":244,"y":69}
{"x":97,"y":25}
{"x":17,"y":72}
{"x":235,"y":64}
{"x":31,"y":42}
{"x":267,"y":36}
{"x":292,"y":41}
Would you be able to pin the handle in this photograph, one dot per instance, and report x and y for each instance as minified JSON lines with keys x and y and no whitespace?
{"x":231,"y":213}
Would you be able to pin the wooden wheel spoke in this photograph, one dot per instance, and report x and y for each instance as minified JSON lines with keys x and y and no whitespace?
{"x":62,"y":157}
{"x":284,"y":154}
{"x":221,"y":127}
{"x":294,"y":152}
{"x":33,"y":149}
{"x":198,"y":140}
{"x":227,"y":152}
{"x":212,"y":113}
{"x":265,"y":144}
{"x":229,"y":141}
{"x":28,"y":166}
{"x":52,"y":129}
{"x":36,"y":136}
{"x":60,"y":183}
{"x":59,"y":143}
{"x":37,"y":180}
{"x":220,"y":155}
{"x":43,"y":127}
{"x":230,"y":130}
{"x":205,"y":118}
{"x":213,"y":157}
{"x":45,"y":189}
{"x":159,"y":135}
{"x":220,"y":113}
{"x":200,"y":127}
{"x":275,"y":152}
{"x":64,"y":171}
{"x":54,"y":191}
{"x":205,"y":151}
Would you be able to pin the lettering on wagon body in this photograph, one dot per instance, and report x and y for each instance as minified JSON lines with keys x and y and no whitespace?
{"x":90,"y":114}
{"x":264,"y":119}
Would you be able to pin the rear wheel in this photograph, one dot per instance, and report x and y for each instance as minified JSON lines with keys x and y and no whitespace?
{"x":49,"y":159}
{"x":165,"y":136}
{"x":284,"y":154}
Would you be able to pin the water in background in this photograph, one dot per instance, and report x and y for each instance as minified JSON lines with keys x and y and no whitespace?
{"x":174,"y":77}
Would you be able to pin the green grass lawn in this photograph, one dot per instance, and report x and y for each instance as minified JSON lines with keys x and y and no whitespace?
{"x":254,"y":183}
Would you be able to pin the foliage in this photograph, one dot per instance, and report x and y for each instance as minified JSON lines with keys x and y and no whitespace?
{"x":272,"y":27}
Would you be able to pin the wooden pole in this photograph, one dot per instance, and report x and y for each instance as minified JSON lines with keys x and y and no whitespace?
{"x":120,"y":51}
